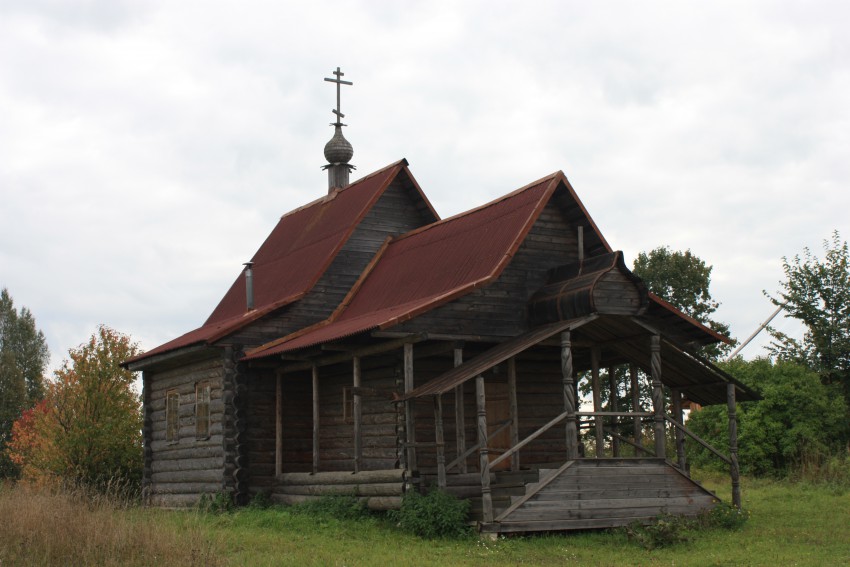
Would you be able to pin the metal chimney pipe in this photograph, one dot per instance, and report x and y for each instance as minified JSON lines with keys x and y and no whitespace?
{"x":249,"y":284}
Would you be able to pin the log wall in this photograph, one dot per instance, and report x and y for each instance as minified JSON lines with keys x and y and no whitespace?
{"x":178,"y":472}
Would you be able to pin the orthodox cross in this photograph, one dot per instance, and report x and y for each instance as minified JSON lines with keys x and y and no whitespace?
{"x":338,"y":81}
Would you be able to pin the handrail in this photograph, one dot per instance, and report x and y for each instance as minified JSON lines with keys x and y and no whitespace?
{"x":471,"y":450}
{"x":630,"y":442}
{"x":615,"y":413}
{"x":528,"y":439}
{"x":693,"y":436}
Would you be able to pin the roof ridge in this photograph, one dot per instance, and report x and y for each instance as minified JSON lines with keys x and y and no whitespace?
{"x":332,"y":195}
{"x":479,"y":208}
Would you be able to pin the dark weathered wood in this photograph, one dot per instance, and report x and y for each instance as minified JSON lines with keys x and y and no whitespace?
{"x":698,"y":439}
{"x":316,"y":417}
{"x":409,"y":420}
{"x":514,"y":411}
{"x":460,"y":418}
{"x":731,"y":406}
{"x":534,"y":490}
{"x":636,"y":424}
{"x":370,"y":350}
{"x":612,"y":405}
{"x":440,"y":441}
{"x":569,"y":395}
{"x":530,"y":438}
{"x":657,"y":395}
{"x":278,"y":425}
{"x":357,"y":410}
{"x":597,"y":403}
{"x":483,"y":453}
{"x":678,"y":414}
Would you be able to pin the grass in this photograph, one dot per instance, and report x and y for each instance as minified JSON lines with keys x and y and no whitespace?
{"x":791,"y":524}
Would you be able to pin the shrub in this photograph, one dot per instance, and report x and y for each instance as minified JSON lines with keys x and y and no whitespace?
{"x":433,"y":515}
{"x":217,"y":503}
{"x":663,"y":531}
{"x":724,"y":516}
{"x":340,"y":507}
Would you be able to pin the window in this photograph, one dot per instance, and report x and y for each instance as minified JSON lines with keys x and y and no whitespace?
{"x":172,"y":422}
{"x":202,"y":410}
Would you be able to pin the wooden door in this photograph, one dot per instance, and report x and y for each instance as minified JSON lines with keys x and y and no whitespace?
{"x":498,"y":410}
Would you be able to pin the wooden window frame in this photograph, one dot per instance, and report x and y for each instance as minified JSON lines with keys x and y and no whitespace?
{"x":172,"y":416}
{"x":202,"y":409}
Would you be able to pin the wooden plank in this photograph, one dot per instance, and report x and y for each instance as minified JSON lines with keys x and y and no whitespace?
{"x":409,"y":420}
{"x":440,"y":441}
{"x":636,"y":424}
{"x":483,"y":456}
{"x":569,"y":395}
{"x":597,"y":402}
{"x":357,"y":410}
{"x":676,"y":394}
{"x":278,"y":421}
{"x":613,"y":394}
{"x":657,"y":395}
{"x":316,"y":414}
{"x":460,"y":418}
{"x":514,"y":411}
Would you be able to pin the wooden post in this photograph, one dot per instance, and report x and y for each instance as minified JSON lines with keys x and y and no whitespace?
{"x":483,"y":453}
{"x":638,"y":428}
{"x":357,"y":411}
{"x":409,"y":407}
{"x":597,"y":402}
{"x":460,"y":419}
{"x":440,"y":441}
{"x":613,"y":404}
{"x":315,"y":419}
{"x":567,"y":380}
{"x":679,"y":416}
{"x":514,"y":412}
{"x":657,"y":395}
{"x":733,"y":445}
{"x":278,"y":425}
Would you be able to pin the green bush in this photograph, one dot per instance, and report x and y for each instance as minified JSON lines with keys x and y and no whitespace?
{"x":432,"y":515}
{"x":217,"y":503}
{"x":665,"y":530}
{"x":340,"y":507}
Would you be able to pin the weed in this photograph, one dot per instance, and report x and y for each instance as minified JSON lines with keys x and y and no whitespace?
{"x":665,"y":530}
{"x":723,"y":516}
{"x":339,"y":507}
{"x":433,"y":515}
{"x":217,"y":503}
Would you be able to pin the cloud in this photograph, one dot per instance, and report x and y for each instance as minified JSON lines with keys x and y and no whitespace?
{"x":148,"y":149}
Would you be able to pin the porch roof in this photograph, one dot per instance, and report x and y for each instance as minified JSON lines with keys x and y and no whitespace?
{"x":698,"y":379}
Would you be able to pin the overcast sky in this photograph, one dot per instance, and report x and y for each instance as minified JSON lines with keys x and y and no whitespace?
{"x":147,"y":148}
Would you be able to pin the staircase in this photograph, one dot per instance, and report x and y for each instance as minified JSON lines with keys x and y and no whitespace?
{"x":591,"y":493}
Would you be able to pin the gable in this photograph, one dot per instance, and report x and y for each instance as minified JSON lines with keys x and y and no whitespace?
{"x":304,"y":245}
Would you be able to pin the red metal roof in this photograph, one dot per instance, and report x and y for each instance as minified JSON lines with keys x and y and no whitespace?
{"x":432,"y":265}
{"x":292,"y":258}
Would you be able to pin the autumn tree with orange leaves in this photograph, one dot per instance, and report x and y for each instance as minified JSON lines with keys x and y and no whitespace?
{"x":88,"y":428}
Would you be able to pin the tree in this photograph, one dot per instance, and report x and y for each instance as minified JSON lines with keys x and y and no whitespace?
{"x":798,"y":416}
{"x":817,"y":292}
{"x":683,"y":280}
{"x":23,"y":358}
{"x":89,"y":428}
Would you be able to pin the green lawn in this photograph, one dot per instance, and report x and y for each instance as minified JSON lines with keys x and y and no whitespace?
{"x":791,"y":524}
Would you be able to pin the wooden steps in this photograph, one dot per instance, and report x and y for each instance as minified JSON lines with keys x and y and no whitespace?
{"x":593,"y":493}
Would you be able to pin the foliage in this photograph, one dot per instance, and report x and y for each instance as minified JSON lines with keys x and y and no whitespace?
{"x":797,"y":414}
{"x":724,"y":516}
{"x":339,"y":506}
{"x":433,"y":515}
{"x":217,"y":503}
{"x":817,"y":292}
{"x":663,"y":531}
{"x":682,"y":279}
{"x":23,"y":358}
{"x":88,"y":429}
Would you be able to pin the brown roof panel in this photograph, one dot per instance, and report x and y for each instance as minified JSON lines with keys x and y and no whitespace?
{"x":292,"y":258}
{"x":434,"y":264}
